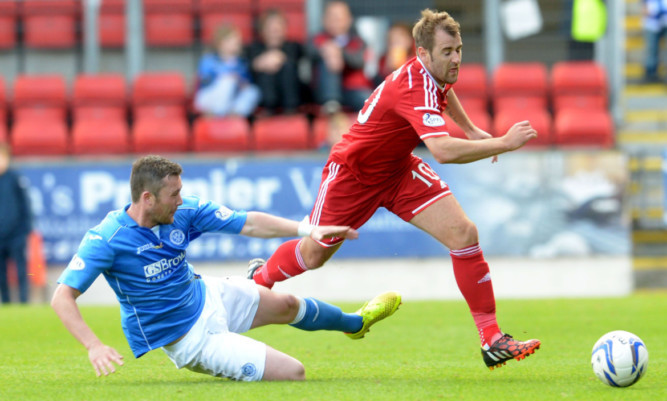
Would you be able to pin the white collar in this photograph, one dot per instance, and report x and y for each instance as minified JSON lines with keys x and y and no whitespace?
{"x":429,"y":74}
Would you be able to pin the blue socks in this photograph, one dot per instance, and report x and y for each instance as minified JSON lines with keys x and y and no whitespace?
{"x":317,"y":315}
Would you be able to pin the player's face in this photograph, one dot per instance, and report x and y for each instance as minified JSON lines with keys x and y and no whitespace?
{"x":444,"y":60}
{"x":167,"y":201}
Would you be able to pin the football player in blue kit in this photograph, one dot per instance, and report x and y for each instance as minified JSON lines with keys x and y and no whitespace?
{"x":141,"y":252}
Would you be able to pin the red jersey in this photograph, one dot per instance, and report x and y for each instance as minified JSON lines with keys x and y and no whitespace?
{"x":405,"y":109}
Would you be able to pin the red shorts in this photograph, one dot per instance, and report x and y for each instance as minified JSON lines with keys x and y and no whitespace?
{"x":343,"y":200}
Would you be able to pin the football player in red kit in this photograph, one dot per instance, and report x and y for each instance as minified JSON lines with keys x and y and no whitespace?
{"x":373,"y":166}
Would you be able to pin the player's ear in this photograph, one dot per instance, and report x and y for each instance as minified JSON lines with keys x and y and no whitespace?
{"x":147,"y":197}
{"x":423,"y":54}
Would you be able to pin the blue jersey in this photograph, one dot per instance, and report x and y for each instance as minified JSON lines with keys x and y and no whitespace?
{"x":160,"y":296}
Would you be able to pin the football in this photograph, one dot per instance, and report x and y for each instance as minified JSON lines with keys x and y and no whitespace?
{"x":619,"y":358}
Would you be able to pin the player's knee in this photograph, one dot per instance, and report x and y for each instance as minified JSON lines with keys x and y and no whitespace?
{"x":466,"y":235}
{"x":291,"y":304}
{"x":297,"y":371}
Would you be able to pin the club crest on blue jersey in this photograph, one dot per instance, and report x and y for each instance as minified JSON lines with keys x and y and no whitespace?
{"x":176,"y":237}
{"x":433,"y":120}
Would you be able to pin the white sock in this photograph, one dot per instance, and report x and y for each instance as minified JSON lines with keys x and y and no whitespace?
{"x":302,"y":311}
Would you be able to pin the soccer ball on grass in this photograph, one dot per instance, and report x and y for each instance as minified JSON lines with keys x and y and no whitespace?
{"x":619,"y":358}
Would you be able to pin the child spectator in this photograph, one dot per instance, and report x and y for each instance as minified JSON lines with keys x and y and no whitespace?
{"x":225,"y":87}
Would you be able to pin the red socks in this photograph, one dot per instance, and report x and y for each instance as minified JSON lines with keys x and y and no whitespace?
{"x":285,"y":262}
{"x":474,"y":280}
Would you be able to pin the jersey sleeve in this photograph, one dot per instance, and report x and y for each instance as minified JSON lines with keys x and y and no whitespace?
{"x":92,"y":258}
{"x":212,"y":217}
{"x":421,"y":106}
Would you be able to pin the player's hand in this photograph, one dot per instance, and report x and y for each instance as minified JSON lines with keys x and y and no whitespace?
{"x":321,"y":232}
{"x":101,"y":357}
{"x":519,"y":134}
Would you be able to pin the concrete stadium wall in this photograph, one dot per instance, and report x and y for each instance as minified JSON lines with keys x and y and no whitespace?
{"x":422,"y":279}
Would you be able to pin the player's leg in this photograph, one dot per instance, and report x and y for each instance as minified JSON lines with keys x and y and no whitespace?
{"x":291,"y":258}
{"x":341,"y":200}
{"x":280,"y":366}
{"x":446,"y":221}
{"x":303,"y":313}
{"x":311,"y":314}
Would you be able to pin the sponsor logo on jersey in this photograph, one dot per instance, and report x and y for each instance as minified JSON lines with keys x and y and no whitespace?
{"x":223,"y":213}
{"x":433,"y":120}
{"x":92,"y":237}
{"x":76,"y":263}
{"x":148,"y":246}
{"x":159,"y":269}
{"x":176,"y":237}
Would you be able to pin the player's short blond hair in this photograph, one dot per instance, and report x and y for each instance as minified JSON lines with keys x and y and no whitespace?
{"x":148,"y":174}
{"x":424,"y":30}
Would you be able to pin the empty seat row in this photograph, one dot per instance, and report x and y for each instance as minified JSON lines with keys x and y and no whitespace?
{"x":164,"y":135}
{"x":171,"y":23}
{"x":571,"y":84}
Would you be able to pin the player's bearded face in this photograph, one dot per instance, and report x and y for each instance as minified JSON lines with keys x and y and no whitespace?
{"x":167,"y":201}
{"x":445,"y":58}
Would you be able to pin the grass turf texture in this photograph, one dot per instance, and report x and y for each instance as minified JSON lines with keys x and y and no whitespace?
{"x":426,"y":351}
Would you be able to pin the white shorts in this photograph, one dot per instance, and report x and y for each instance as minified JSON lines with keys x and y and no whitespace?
{"x":212,"y":345}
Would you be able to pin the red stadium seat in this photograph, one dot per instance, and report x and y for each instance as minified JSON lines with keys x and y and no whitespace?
{"x":281,"y":4}
{"x":296,"y":26}
{"x":169,"y":29}
{"x":232,"y":6}
{"x":282,"y":133}
{"x":520,"y":85}
{"x":579,"y":84}
{"x":580,"y":127}
{"x":151,"y":135}
{"x":480,"y":118}
{"x":159,"y":94}
{"x":100,"y":136}
{"x":472,"y":87}
{"x":43,"y":94}
{"x":226,"y":134}
{"x":8,"y":24}
{"x":211,"y":21}
{"x":112,"y":23}
{"x":103,"y":90}
{"x":50,"y":23}
{"x":39,"y":137}
{"x":540,"y":119}
{"x":169,"y":22}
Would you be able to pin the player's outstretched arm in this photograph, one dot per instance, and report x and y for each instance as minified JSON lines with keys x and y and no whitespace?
{"x":264,"y":225}
{"x":446,"y":149}
{"x":101,"y":356}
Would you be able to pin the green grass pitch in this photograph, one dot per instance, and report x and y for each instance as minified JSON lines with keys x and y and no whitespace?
{"x":426,"y":351}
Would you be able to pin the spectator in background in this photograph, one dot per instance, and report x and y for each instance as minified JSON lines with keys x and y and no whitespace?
{"x":274,"y":64}
{"x":225,"y":87}
{"x":400,"y":48}
{"x":15,"y":225}
{"x":337,"y":54}
{"x":655,"y":26}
